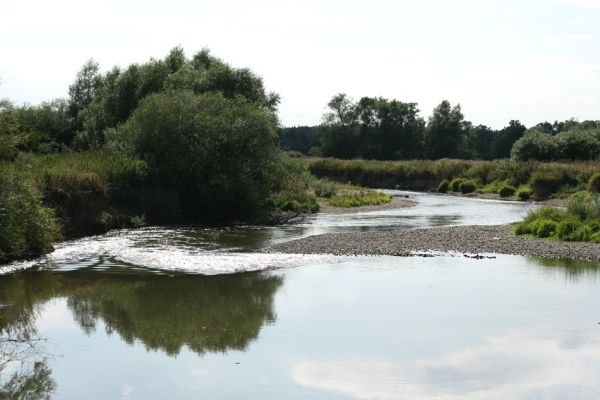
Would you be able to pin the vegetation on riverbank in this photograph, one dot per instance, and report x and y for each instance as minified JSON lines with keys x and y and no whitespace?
{"x":175,"y":140}
{"x":579,"y":222}
{"x":529,"y":179}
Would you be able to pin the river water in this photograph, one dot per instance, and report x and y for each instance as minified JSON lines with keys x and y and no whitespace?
{"x":193,"y":313}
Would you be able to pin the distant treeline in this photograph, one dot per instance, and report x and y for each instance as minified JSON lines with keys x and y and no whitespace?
{"x":382,"y":129}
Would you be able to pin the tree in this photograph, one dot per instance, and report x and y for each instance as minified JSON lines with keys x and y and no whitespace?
{"x":446,"y":130}
{"x":506,"y":137}
{"x":83,"y":91}
{"x":217,"y":152}
{"x":121,"y":91}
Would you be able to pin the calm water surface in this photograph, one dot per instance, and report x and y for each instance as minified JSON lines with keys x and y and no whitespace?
{"x":196,"y":313}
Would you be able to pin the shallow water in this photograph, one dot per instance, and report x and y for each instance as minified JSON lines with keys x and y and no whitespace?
{"x":148,"y":314}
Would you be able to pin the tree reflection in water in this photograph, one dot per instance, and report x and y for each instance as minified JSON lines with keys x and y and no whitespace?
{"x":24,"y":373}
{"x":164,"y":312}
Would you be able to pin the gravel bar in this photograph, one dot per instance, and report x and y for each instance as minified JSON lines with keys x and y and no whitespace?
{"x":472,"y":239}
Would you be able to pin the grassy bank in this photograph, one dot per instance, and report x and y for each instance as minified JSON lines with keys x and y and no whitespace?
{"x":45,"y":198}
{"x":579,"y":222}
{"x":529,"y":179}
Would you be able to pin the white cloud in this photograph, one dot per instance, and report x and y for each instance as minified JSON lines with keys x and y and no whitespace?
{"x":507,"y":367}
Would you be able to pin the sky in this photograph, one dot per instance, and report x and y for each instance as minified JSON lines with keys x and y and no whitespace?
{"x":531,"y":60}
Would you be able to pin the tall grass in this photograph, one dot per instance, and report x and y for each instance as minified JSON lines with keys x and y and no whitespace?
{"x":427,"y":174}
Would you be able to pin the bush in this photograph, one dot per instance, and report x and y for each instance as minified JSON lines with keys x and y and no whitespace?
{"x":443,"y":186}
{"x":584,"y":205}
{"x":27,"y":228}
{"x":595,"y":238}
{"x":455,"y":184}
{"x":568,"y":230}
{"x":467,"y":186}
{"x":545,"y":183}
{"x":507,"y":191}
{"x":524,"y":193}
{"x":218,"y":153}
{"x":325,"y":188}
{"x":546,"y":228}
{"x":594,"y":183}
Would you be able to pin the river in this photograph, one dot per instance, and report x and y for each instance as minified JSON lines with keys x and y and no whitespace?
{"x":202,"y":313}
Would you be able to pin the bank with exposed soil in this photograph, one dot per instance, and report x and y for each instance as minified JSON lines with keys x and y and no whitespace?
{"x":474,"y":239}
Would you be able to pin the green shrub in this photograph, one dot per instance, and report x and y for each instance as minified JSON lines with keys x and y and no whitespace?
{"x":27,"y":228}
{"x":524,"y":193}
{"x":443,"y":186}
{"x":325,"y":188}
{"x":568,"y":230}
{"x":546,"y":228}
{"x":594,"y":183}
{"x":507,"y":191}
{"x":467,"y":186}
{"x":584,"y":205}
{"x":595,"y":238}
{"x":545,"y":183}
{"x":138,"y":221}
{"x":455,"y":184}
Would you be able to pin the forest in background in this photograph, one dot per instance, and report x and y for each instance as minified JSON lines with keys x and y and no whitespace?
{"x":381,"y":129}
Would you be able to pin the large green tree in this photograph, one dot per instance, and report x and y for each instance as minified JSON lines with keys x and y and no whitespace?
{"x":121,"y":90}
{"x":446,"y":131}
{"x":217,"y":152}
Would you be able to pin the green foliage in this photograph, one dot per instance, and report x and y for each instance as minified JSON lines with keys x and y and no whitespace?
{"x":325,"y":188}
{"x":546,"y":228}
{"x":571,"y":141}
{"x":467,"y":186}
{"x":579,"y":222}
{"x":568,"y":230}
{"x":119,"y":92}
{"x":584,"y":205}
{"x":10,"y":134}
{"x":446,"y":131}
{"x":443,"y":186}
{"x":545,"y":183}
{"x":594,"y":183}
{"x":373,"y":128}
{"x":455,"y":184}
{"x":507,"y":191}
{"x":426,"y":174}
{"x":27,"y":228}
{"x":524,"y":193}
{"x":138,"y":221}
{"x":217,"y":151}
{"x":359,"y":198}
{"x":292,"y":186}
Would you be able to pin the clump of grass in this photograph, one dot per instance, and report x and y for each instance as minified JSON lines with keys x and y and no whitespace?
{"x":325,"y":188}
{"x":507,"y":191}
{"x":467,"y":186}
{"x":443,"y":186}
{"x":524,"y":193}
{"x":594,"y":183}
{"x":545,"y":183}
{"x":455,"y":184}
{"x":360,"y":198}
{"x":579,"y":222}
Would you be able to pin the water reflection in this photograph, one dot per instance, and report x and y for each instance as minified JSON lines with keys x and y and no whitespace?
{"x":573,"y":270}
{"x":24,"y":373}
{"x":164,"y":312}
